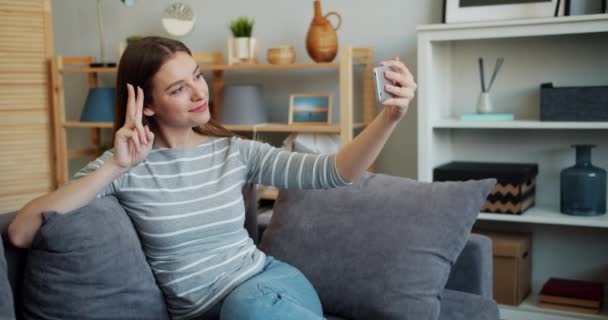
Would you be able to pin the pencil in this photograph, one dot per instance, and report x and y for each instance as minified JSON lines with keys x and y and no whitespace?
{"x":483,"y":81}
{"x":497,"y":66}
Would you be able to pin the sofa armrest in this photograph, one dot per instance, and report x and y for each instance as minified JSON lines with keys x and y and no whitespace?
{"x":15,"y":259}
{"x":472,"y":271}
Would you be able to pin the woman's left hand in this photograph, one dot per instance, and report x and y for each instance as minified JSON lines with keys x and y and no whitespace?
{"x":402,"y":89}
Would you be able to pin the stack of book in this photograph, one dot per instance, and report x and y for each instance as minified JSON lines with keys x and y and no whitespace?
{"x":572,"y":295}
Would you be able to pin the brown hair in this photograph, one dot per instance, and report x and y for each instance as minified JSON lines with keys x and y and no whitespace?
{"x":140,"y":61}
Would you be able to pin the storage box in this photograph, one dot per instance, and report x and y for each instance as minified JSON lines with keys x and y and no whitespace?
{"x":512,"y":258}
{"x":573,"y":103}
{"x":514,"y":192}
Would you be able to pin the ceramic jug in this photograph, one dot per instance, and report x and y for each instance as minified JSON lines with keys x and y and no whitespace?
{"x":322,"y":40}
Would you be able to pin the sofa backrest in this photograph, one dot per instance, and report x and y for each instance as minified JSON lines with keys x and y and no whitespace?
{"x":16,"y":258}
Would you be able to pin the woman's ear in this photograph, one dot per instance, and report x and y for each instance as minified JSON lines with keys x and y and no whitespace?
{"x":148,"y":112}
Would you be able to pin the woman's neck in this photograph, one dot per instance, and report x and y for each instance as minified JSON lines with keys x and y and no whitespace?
{"x":180,"y":138}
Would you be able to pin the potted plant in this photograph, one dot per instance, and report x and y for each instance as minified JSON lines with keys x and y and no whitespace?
{"x":122,"y":45}
{"x":133,"y":38}
{"x":242,"y":47}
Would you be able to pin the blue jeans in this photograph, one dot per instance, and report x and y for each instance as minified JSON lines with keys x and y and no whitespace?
{"x":279,"y":291}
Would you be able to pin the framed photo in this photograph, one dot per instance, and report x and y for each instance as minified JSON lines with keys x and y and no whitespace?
{"x":310,"y":109}
{"x":581,"y":7}
{"x":457,"y":11}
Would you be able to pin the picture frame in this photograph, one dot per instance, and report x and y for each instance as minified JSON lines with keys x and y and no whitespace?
{"x":583,"y":7}
{"x":460,"y":11}
{"x":310,"y":109}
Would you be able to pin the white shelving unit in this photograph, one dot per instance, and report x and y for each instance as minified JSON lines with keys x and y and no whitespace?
{"x":544,"y":215}
{"x":518,"y":124}
{"x":568,"y":51}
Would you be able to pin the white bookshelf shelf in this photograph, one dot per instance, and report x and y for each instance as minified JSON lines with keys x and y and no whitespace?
{"x":517,"y":28}
{"x":529,"y":310}
{"x":544,"y":215}
{"x":518,"y":124}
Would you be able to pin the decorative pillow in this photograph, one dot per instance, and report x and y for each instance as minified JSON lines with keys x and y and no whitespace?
{"x":6,"y":296}
{"x":381,"y":248}
{"x":88,"y":264}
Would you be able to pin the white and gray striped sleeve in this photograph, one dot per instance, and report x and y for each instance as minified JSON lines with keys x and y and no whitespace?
{"x":94,"y":165}
{"x":276,"y":167}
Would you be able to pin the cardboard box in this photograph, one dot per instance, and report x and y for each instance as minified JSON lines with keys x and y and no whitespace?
{"x":512,"y":258}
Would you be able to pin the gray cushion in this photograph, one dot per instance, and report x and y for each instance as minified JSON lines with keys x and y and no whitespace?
{"x":458,"y":305}
{"x":88,"y":264}
{"x":6,"y":297}
{"x":380,"y":248}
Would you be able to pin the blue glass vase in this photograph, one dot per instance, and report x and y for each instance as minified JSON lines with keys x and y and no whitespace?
{"x":583,"y":186}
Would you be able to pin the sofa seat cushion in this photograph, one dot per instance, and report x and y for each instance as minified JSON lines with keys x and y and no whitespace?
{"x":88,"y":264}
{"x":380,"y":248}
{"x":458,"y":305}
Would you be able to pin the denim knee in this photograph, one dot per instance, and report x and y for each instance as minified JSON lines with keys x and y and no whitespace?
{"x":279,"y":292}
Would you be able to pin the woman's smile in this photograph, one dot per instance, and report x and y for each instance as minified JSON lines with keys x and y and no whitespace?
{"x":200,"y":108}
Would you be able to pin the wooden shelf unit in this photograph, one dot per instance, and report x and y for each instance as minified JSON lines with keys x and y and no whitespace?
{"x":349,"y":57}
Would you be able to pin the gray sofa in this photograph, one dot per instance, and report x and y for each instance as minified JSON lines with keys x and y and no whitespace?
{"x":467,"y":295}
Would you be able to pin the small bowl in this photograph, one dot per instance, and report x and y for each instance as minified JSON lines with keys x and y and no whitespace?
{"x":281,"y":55}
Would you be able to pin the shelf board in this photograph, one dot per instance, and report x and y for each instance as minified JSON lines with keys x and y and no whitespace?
{"x":521,"y":27}
{"x":79,"y":124}
{"x":86,"y":152}
{"x":223,"y":67}
{"x":269,"y":127}
{"x":518,"y":124}
{"x":528,"y":309}
{"x":88,"y":70}
{"x":268,"y":66}
{"x":284,"y":127}
{"x":545,"y":215}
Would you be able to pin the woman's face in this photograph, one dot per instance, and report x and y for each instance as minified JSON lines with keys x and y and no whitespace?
{"x":180,"y":95}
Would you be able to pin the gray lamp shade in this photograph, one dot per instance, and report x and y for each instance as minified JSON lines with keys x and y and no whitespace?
{"x":99,"y":106}
{"x":242,"y":104}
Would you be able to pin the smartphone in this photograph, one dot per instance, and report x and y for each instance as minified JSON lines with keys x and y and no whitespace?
{"x":380,"y":82}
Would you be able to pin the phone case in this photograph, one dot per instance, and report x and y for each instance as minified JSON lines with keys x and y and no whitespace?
{"x":380,"y":81}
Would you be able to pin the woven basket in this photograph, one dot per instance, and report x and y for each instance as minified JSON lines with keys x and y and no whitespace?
{"x":281,"y":55}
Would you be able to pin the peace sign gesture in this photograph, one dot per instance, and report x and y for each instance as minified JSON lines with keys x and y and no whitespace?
{"x":133,"y":141}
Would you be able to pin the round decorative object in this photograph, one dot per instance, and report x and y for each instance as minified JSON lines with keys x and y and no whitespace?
{"x":178,"y":19}
{"x":281,"y":55}
{"x":128,"y":3}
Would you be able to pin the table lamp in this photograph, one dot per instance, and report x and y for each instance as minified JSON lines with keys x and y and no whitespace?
{"x":102,"y":54}
{"x":99,"y":106}
{"x":242,"y":104}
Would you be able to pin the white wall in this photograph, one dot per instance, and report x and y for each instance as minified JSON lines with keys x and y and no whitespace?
{"x":388,"y":26}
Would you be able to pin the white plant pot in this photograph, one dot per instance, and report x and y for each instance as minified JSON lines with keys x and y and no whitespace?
{"x":244,"y":48}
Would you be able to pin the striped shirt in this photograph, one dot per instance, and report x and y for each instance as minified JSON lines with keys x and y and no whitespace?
{"x":188,"y":209}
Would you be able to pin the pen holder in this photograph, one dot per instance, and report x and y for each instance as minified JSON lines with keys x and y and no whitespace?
{"x":484,"y":103}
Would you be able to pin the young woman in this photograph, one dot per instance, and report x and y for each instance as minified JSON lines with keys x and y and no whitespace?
{"x":179,"y":175}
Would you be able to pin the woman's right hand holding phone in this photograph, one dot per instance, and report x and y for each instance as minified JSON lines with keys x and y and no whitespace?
{"x":133,"y":142}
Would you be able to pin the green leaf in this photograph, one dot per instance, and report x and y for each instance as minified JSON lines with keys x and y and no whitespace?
{"x":242,"y":27}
